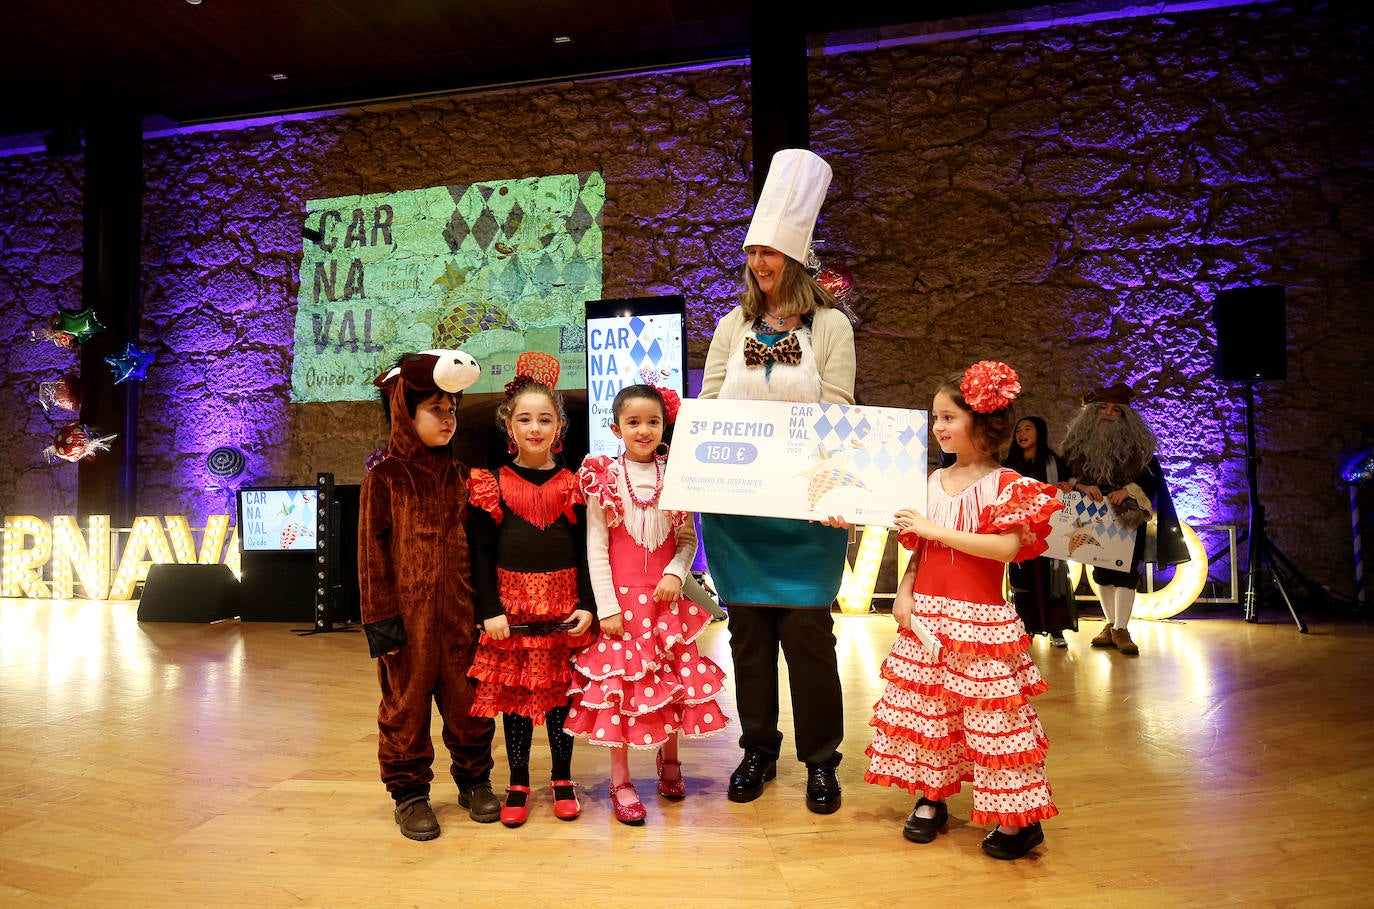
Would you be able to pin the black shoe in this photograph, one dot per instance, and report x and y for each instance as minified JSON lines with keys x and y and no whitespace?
{"x":746,"y":783}
{"x":924,"y":829}
{"x":822,"y":788}
{"x":1010,"y":846}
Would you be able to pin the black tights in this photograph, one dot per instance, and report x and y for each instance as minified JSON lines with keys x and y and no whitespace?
{"x":519,"y":732}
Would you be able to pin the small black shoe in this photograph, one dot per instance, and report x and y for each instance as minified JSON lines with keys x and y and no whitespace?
{"x":822,"y":788}
{"x":756,"y":768}
{"x":1012,"y":846}
{"x":924,"y":829}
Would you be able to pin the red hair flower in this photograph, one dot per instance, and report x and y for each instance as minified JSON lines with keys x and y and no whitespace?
{"x":989,"y":386}
{"x":514,"y":386}
{"x":671,"y":402}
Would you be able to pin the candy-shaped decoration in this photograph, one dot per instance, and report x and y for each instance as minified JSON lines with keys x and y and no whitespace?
{"x":51,"y":331}
{"x":64,"y":393}
{"x":81,"y":324}
{"x":131,"y":364}
{"x":74,"y":442}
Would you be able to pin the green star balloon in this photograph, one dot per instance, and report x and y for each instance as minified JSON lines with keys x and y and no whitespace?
{"x":81,"y":324}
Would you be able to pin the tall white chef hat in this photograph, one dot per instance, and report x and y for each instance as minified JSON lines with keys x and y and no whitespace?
{"x":791,"y":199}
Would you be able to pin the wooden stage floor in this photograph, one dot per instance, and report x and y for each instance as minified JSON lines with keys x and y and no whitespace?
{"x":172,"y":765}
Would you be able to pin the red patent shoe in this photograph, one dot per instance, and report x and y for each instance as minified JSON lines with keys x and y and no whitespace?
{"x":515,"y":815}
{"x":633,"y":813}
{"x":670,"y":789}
{"x":565,"y":804}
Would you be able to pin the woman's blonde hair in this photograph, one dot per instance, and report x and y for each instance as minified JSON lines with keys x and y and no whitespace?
{"x":798,"y":293}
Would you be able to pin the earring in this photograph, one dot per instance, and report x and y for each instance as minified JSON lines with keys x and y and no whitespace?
{"x":557,"y":445}
{"x":511,"y":447}
{"x":661,"y":452}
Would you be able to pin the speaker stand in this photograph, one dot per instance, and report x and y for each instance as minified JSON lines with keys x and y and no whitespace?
{"x":1261,"y":548}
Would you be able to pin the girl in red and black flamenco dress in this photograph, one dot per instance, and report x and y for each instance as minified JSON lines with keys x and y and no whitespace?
{"x":529,"y":572}
{"x":642,"y":681}
{"x":956,"y":706}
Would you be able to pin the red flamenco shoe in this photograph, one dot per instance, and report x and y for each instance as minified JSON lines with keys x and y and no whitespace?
{"x":670,"y":789}
{"x":565,"y":804}
{"x":633,"y":813}
{"x":515,"y":815}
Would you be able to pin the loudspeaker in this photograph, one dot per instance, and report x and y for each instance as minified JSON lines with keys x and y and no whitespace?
{"x":1252,"y":338}
{"x":188,"y":593}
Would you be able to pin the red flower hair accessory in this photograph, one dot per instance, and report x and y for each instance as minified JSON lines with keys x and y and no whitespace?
{"x":671,"y":402}
{"x":514,"y":386}
{"x":989,"y":386}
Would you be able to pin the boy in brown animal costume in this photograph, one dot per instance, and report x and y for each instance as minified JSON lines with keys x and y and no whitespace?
{"x":416,"y":586}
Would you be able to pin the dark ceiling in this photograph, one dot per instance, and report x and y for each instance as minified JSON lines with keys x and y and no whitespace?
{"x":216,"y":59}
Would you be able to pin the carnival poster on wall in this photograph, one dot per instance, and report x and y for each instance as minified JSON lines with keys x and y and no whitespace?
{"x":493,"y":268}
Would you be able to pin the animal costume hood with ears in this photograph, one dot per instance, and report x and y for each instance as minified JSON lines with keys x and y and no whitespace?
{"x":429,"y":370}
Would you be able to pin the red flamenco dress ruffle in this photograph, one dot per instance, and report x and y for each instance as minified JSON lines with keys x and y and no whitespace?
{"x":965,"y":715}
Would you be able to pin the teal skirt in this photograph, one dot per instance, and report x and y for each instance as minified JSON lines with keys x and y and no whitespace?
{"x":774,"y":561}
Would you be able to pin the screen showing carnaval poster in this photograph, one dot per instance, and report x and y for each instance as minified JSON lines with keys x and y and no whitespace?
{"x":277,"y":519}
{"x":638,"y":340}
{"x":492,"y":268}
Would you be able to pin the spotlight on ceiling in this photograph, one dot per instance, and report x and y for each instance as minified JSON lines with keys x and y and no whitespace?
{"x":562,"y":39}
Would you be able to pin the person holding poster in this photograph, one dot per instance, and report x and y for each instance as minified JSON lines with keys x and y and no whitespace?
{"x":785,"y":341}
{"x":529,"y":568}
{"x":1041,"y":586}
{"x":956,"y":706}
{"x":416,"y":593}
{"x":1110,"y":453}
{"x":642,"y":680}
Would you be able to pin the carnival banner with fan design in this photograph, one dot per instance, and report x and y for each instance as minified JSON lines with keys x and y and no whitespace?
{"x":494,"y":268}
{"x":1088,"y":532}
{"x":788,"y":460}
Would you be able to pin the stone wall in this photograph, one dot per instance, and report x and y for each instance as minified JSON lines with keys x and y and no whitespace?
{"x":1067,"y":199}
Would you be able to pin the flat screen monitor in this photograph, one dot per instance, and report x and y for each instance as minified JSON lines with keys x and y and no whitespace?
{"x":631,"y":341}
{"x":277,"y":518}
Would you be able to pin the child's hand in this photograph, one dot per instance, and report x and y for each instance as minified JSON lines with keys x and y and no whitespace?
{"x":496,"y":627}
{"x":909,"y":520}
{"x":835,"y":520}
{"x":902,"y":605}
{"x":1092,"y":492}
{"x":583,"y":620}
{"x":669,"y":588}
{"x":613,"y":626}
{"x":1118,"y":496}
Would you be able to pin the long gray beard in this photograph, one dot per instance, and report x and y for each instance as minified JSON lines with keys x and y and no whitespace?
{"x":1108,"y":454}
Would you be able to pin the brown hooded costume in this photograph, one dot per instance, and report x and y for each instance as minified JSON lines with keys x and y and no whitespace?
{"x":416,"y":588}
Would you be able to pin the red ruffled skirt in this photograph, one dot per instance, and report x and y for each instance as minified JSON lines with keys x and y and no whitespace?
{"x":966,"y":716}
{"x":528,"y":674}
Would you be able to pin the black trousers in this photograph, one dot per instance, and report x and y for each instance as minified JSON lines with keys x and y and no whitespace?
{"x":806,"y":638}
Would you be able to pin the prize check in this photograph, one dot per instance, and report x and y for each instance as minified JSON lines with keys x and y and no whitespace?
{"x":788,"y":460}
{"x":1089,"y":533}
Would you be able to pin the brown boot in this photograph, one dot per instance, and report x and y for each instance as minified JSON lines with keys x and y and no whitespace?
{"x":1122,"y":639}
{"x":1104,"y":637}
{"x":417,"y":819}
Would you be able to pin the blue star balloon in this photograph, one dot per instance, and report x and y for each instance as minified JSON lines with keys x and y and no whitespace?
{"x":81,"y":324}
{"x":131,"y":364}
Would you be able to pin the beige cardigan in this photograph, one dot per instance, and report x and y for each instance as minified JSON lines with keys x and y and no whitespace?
{"x":832,"y":341}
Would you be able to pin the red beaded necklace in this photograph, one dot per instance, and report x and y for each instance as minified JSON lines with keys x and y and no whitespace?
{"x":630,"y":486}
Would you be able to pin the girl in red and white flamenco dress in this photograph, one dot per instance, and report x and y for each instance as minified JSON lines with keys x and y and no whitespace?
{"x":642,"y":681}
{"x":962,"y":712}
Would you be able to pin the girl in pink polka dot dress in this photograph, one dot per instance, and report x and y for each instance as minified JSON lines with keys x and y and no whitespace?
{"x":956,"y":706}
{"x":642,"y":680}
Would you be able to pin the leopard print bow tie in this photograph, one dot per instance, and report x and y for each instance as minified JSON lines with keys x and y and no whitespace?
{"x":788,"y":352}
